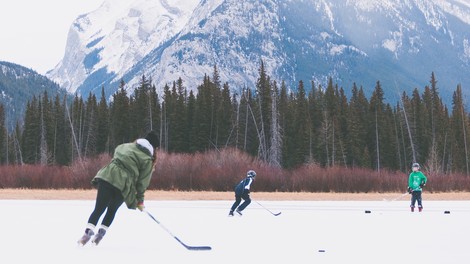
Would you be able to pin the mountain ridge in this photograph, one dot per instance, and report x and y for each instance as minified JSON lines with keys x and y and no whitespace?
{"x":18,"y":85}
{"x":393,"y":41}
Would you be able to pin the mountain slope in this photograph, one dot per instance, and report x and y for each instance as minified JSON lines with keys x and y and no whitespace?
{"x":362,"y":41}
{"x":18,"y":85}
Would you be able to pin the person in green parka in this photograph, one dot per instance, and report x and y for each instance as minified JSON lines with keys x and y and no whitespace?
{"x":123,"y":180}
{"x":416,"y":181}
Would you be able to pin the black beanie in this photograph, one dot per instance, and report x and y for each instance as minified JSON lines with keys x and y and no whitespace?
{"x":152,"y":139}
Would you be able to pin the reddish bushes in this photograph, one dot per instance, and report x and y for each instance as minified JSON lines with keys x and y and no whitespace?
{"x":220,"y":171}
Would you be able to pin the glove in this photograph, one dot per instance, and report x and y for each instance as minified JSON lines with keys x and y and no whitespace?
{"x":140,"y":206}
{"x":410,"y":191}
{"x":422,"y":185}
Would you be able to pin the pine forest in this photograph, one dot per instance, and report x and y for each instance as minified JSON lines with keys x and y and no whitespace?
{"x":279,"y":128}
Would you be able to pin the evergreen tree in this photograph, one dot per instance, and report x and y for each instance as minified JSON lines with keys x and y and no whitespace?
{"x":62,"y":137}
{"x":224,"y":117}
{"x":329,"y":128}
{"x":315,"y":114}
{"x":438,"y":120}
{"x":16,"y":152}
{"x":179,"y":142}
{"x":119,"y":116}
{"x":235,"y":116}
{"x":141,"y":111}
{"x":379,"y":128}
{"x":3,"y":137}
{"x":343,"y":131}
{"x":460,"y":126}
{"x":275,"y":150}
{"x":264,"y":115}
{"x":247,"y":135}
{"x":301,"y":125}
{"x":155,"y":107}
{"x":191,"y":113}
{"x":418,"y":121}
{"x":357,"y":121}
{"x":203,"y":116}
{"x":284,"y":117}
{"x":31,"y":133}
{"x":102,"y":129}
{"x":91,"y":126}
{"x":78,"y":115}
{"x":408,"y":135}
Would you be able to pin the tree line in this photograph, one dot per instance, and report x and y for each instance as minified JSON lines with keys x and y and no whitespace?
{"x":282,"y":127}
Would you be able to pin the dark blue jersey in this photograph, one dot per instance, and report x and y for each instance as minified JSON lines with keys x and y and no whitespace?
{"x":243,"y":186}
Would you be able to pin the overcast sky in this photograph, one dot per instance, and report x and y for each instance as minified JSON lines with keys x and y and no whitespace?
{"x":33,"y":33}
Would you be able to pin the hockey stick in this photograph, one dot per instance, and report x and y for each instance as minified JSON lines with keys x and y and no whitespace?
{"x":275,"y":214}
{"x":397,"y":198}
{"x":177,"y":239}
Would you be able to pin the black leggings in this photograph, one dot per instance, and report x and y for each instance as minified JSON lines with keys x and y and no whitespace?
{"x":108,"y":197}
{"x":238,"y":200}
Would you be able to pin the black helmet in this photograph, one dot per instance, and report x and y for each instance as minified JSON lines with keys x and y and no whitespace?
{"x":251,"y":173}
{"x":415,"y":165}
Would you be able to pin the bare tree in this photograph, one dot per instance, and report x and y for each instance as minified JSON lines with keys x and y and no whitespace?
{"x":413,"y":151}
{"x":73,"y":133}
{"x":43,"y":143}
{"x":464,"y":135}
{"x":326,"y":126}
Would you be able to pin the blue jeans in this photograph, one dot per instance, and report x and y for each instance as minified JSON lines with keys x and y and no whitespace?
{"x":416,"y":196}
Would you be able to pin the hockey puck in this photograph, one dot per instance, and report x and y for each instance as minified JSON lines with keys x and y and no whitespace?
{"x":321,"y":250}
{"x":367,"y":212}
{"x":446,"y":212}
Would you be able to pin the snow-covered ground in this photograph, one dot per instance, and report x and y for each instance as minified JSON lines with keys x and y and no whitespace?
{"x":306,"y":232}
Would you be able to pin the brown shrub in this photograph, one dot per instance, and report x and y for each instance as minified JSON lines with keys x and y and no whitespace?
{"x":222,"y":170}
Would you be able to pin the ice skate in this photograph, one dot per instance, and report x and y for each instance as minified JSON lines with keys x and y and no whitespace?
{"x":239,"y":212}
{"x":412,"y":208}
{"x":86,"y":237}
{"x":420,"y":208}
{"x":97,"y":238}
{"x":230,"y":213}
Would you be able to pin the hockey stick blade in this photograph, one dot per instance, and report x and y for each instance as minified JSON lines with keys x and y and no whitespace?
{"x":275,"y":214}
{"x":195,"y":248}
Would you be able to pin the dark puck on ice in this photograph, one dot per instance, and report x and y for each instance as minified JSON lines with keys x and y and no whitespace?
{"x":321,"y":250}
{"x":446,"y":212}
{"x":367,"y":212}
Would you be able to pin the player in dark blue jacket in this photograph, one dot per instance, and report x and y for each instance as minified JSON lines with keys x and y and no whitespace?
{"x":242,"y":191}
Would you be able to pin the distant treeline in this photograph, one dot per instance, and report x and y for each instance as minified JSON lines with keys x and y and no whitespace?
{"x":286,"y":129}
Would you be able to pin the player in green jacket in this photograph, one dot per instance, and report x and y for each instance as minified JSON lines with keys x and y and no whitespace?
{"x":123,"y":180}
{"x":416,"y":182}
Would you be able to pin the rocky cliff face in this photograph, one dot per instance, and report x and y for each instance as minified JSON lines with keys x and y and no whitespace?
{"x":362,"y":41}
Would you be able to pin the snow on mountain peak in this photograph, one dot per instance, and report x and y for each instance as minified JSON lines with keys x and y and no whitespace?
{"x":117,"y":35}
{"x":350,"y":40}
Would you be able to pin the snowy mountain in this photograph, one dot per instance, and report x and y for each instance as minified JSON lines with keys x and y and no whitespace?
{"x":362,"y":41}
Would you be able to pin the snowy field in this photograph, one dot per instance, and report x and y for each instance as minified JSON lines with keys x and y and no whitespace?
{"x":306,"y":232}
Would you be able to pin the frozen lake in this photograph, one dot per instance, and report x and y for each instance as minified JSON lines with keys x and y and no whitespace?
{"x":35,"y":231}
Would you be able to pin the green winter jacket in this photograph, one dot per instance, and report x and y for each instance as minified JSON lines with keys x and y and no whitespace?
{"x":416,"y":179}
{"x":130,"y":171}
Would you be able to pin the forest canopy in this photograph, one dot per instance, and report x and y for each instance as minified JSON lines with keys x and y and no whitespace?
{"x":311,"y":125}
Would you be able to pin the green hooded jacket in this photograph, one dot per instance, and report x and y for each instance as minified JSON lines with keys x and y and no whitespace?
{"x":416,"y":179}
{"x":130,"y":171}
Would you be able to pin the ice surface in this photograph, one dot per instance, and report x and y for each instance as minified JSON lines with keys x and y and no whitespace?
{"x":306,"y":232}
